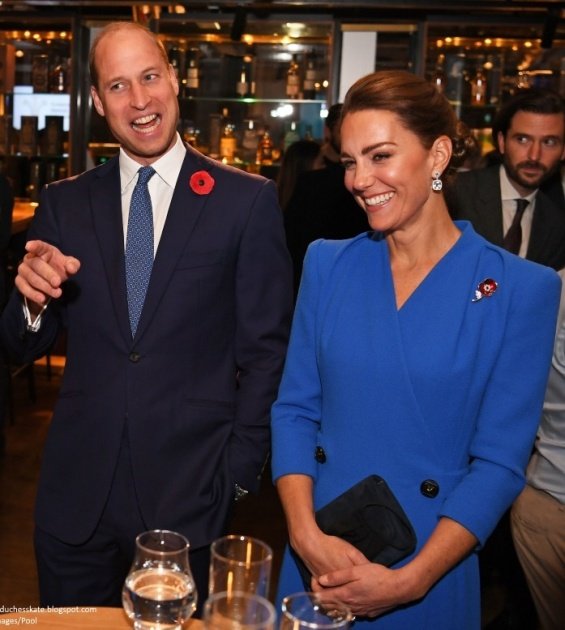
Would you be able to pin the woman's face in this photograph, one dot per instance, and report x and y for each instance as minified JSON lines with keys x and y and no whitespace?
{"x":387,"y":169}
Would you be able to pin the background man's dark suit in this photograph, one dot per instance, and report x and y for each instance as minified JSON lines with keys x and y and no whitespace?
{"x":475,"y":195}
{"x":193,"y":389}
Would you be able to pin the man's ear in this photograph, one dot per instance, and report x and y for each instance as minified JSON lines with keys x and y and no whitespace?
{"x":500,"y":142}
{"x":96,"y":100}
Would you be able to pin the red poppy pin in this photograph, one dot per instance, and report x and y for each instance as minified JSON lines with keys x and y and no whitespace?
{"x":486,"y":288}
{"x":201,"y":182}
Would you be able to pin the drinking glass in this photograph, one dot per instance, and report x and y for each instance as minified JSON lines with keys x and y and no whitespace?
{"x":303,"y":611}
{"x":159,"y":592}
{"x":236,"y":610}
{"x":240,"y":563}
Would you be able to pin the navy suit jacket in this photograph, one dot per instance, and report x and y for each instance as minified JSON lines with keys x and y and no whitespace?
{"x":193,"y":389}
{"x":475,"y":196}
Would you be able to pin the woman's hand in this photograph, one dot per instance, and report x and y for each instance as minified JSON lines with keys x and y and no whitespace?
{"x":371,"y":589}
{"x":323,"y":554}
{"x":368,"y":590}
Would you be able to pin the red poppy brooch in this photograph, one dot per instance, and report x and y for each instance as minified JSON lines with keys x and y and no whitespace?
{"x":201,"y":182}
{"x":486,"y":288}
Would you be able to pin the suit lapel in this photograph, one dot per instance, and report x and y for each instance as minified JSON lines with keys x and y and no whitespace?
{"x":182,"y":216}
{"x":105,"y":197}
{"x":543,"y":227}
{"x":491,"y":205}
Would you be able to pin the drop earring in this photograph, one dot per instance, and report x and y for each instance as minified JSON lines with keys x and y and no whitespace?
{"x":437,"y":184}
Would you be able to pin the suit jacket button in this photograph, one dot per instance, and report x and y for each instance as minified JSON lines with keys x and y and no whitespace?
{"x":320,"y":455}
{"x":429,"y":488}
{"x":134,"y":357}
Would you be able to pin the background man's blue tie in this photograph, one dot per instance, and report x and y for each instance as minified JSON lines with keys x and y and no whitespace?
{"x":139,"y":246}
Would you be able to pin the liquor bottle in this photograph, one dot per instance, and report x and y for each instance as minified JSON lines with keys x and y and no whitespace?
{"x":309,"y":85}
{"x":265,"y":149}
{"x":243,"y":86}
{"x":215,"y":135}
{"x":250,"y":141}
{"x":192,"y":73}
{"x":293,"y":79}
{"x":58,"y":78}
{"x":40,"y":73}
{"x":438,"y":77}
{"x":175,"y":59}
{"x":228,"y":141}
{"x":291,"y":136}
{"x":52,"y":136}
{"x":478,"y":87}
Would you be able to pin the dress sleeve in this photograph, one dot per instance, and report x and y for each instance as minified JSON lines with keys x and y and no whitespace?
{"x":511,"y":406}
{"x":295,"y":416}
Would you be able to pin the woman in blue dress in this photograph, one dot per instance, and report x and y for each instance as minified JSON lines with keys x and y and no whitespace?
{"x":419,"y":352}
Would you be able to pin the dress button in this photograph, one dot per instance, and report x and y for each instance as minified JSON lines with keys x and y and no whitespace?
{"x":134,"y":357}
{"x":320,"y":455}
{"x":429,"y":488}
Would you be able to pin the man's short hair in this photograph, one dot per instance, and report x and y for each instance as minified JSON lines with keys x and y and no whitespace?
{"x":533,"y":100}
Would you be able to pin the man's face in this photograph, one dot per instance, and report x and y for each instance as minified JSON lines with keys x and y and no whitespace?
{"x":137,"y":93}
{"x":532,"y":149}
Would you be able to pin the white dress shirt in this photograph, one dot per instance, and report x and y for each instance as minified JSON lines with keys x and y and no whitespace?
{"x":509,"y":195}
{"x":161,"y":186}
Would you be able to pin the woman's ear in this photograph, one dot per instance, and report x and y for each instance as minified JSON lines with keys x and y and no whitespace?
{"x":441,"y":153}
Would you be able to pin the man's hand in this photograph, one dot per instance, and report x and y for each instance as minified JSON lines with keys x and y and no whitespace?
{"x":41,"y":273}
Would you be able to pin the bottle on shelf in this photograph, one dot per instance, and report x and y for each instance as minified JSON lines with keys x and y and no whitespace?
{"x":438,"y":77}
{"x":58,"y":78}
{"x":175,"y":59}
{"x":265,"y":148}
{"x":192,"y":73}
{"x":52,"y":136}
{"x":28,"y":136}
{"x":309,"y":85}
{"x":245,"y":87}
{"x":228,"y":141}
{"x":215,"y":135}
{"x":40,"y":73}
{"x":478,"y":84}
{"x":293,"y":79}
{"x":250,"y":141}
{"x":291,"y":136}
{"x":242,"y":87}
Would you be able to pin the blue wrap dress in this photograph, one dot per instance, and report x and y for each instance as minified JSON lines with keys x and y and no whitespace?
{"x":448,"y":388}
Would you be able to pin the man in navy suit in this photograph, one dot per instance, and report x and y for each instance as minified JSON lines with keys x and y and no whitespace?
{"x":164,"y":427}
{"x":529,"y":132}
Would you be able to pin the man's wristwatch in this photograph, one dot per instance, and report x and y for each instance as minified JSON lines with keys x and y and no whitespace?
{"x":239,"y":493}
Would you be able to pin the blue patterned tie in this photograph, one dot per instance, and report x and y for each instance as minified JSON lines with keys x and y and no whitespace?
{"x":139,"y":246}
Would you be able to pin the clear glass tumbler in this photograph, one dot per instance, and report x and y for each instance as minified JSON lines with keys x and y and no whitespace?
{"x":159,"y":592}
{"x":241,"y":611}
{"x":303,"y":611}
{"x":240,"y":563}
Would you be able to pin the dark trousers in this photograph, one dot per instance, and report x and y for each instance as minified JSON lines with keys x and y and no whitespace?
{"x":93,"y":573}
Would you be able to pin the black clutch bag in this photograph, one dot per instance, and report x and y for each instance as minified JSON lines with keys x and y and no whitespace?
{"x":369,"y":517}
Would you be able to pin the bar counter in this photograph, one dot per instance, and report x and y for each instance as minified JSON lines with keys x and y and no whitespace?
{"x":77,"y":619}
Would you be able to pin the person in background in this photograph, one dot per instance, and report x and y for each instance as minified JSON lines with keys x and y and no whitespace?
{"x":300,"y":157}
{"x":538,"y":514}
{"x":519,"y":204}
{"x":163,"y":415}
{"x":321,"y":206}
{"x":6,"y":209}
{"x":406,"y":360}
